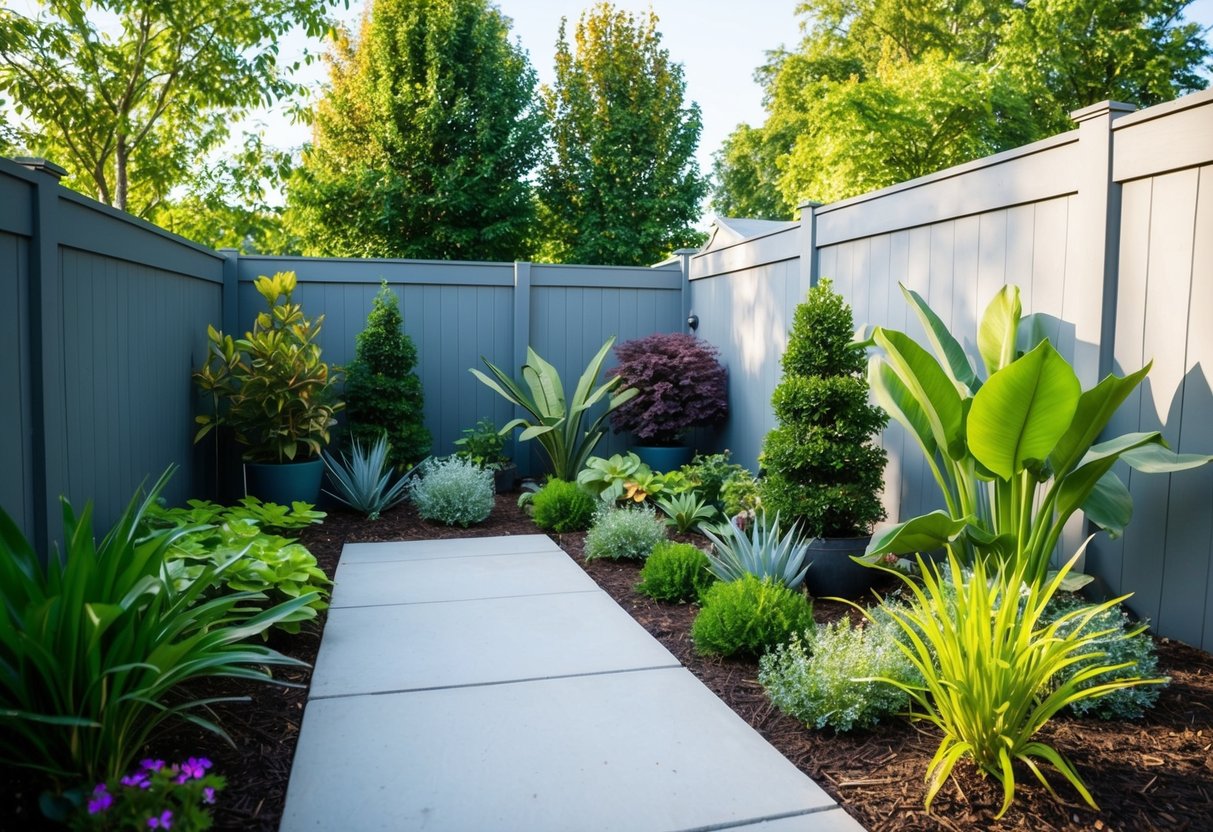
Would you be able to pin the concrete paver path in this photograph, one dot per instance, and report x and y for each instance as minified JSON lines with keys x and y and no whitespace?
{"x":489,"y":684}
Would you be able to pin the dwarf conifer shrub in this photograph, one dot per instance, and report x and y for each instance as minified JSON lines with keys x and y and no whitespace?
{"x":383,"y":394}
{"x":561,"y":507}
{"x":821,"y":466}
{"x":817,"y":678}
{"x":675,"y":572}
{"x":748,"y":617}
{"x":453,"y":491}
{"x":624,"y":532}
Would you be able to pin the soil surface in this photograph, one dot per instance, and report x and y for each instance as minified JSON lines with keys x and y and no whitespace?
{"x":1153,"y":774}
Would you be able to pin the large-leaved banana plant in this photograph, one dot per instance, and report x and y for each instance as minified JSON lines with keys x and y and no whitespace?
{"x":556,"y":424}
{"x":1015,"y":455}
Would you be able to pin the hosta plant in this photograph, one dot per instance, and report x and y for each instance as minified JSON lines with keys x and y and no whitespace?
{"x":749,"y":616}
{"x":607,"y":478}
{"x":759,"y":550}
{"x":97,"y":645}
{"x":994,"y":671}
{"x":559,"y":425}
{"x":1016,"y":454}
{"x":363,"y":480}
{"x":269,"y":517}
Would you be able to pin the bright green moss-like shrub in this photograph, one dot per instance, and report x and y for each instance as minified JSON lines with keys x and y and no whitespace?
{"x":453,"y":491}
{"x":748,"y":617}
{"x":562,"y":507}
{"x":621,"y":532}
{"x":675,"y":572}
{"x":1124,"y":703}
{"x":814,"y":678}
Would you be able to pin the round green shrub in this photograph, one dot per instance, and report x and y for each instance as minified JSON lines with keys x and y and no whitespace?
{"x":621,"y":532}
{"x":748,"y":617}
{"x":453,"y":491}
{"x":675,"y":572}
{"x":562,"y":506}
{"x":814,"y":678}
{"x":1118,"y":646}
{"x":822,"y":469}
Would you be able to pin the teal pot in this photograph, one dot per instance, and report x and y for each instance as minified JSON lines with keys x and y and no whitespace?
{"x":833,"y":573}
{"x":284,"y":483}
{"x":663,"y":459}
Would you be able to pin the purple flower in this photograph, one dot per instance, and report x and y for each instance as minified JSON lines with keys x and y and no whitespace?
{"x":151,"y":765}
{"x":165,"y":821}
{"x":208,"y":795}
{"x":139,"y":779}
{"x":100,"y":801}
{"x":195,"y":767}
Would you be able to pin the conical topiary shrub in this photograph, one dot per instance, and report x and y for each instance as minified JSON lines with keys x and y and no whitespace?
{"x":821,"y":467}
{"x":382,"y":391}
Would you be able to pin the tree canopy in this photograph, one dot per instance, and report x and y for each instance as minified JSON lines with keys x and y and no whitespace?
{"x":880,"y":91}
{"x":620,"y":184}
{"x":130,"y":107}
{"x":423,"y":140}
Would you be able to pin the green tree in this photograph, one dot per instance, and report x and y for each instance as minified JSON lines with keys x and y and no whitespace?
{"x":745,"y":177}
{"x":880,"y":91}
{"x":128,"y":109}
{"x":424,"y":139}
{"x":822,"y":469}
{"x":382,"y":392}
{"x":620,"y":184}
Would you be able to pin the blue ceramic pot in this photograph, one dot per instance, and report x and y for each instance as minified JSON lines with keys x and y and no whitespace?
{"x":284,"y":483}
{"x":663,"y":459}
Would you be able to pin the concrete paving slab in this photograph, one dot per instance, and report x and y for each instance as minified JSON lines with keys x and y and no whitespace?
{"x":462,"y":547}
{"x":458,"y":579}
{"x":650,"y":750}
{"x":415,"y":646}
{"x":830,"y":820}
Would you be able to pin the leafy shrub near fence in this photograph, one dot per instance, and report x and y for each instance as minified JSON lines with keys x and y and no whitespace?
{"x":675,"y":572}
{"x":624,"y":532}
{"x":562,"y":507}
{"x":748,"y":617}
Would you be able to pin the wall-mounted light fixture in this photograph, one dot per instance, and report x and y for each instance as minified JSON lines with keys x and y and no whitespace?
{"x":693,"y":322}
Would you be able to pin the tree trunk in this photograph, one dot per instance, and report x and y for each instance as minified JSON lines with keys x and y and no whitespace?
{"x":120,"y":174}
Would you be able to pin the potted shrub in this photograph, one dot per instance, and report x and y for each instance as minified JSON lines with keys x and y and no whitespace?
{"x":484,"y":445}
{"x":274,"y":394}
{"x":822,"y":470}
{"x":681,"y":384}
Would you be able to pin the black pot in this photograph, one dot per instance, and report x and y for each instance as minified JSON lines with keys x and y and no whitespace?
{"x":833,"y":573}
{"x":505,"y":479}
{"x":284,"y":483}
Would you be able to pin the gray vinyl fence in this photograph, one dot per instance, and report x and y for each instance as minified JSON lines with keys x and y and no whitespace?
{"x":1107,"y":228}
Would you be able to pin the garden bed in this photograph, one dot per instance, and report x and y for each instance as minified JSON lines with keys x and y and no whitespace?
{"x":1156,"y":773}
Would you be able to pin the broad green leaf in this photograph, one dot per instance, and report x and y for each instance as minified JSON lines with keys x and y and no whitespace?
{"x":1158,"y":459}
{"x":999,"y":329}
{"x":947,"y":348}
{"x":897,"y":400}
{"x":1072,"y":581}
{"x":925,"y":533}
{"x":1095,"y":409}
{"x":1022,"y":411}
{"x":930,"y":386}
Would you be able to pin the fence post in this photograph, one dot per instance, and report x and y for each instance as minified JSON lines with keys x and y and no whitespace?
{"x":1093,"y":242}
{"x":684,"y":265}
{"x":231,"y":291}
{"x":48,"y":406}
{"x":808,"y":246}
{"x":522,"y":339}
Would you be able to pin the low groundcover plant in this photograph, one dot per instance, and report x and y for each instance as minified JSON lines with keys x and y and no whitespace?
{"x":453,"y":491}
{"x":153,"y":796}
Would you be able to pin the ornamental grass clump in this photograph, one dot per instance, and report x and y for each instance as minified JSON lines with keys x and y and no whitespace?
{"x":749,"y":616}
{"x":830,"y":677}
{"x":453,"y":491}
{"x":562,"y":507}
{"x":675,"y":572}
{"x":363,"y":480}
{"x":628,"y":532}
{"x":994,"y":671}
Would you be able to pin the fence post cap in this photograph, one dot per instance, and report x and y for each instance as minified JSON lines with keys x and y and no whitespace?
{"x":41,"y":166}
{"x":1103,"y":108}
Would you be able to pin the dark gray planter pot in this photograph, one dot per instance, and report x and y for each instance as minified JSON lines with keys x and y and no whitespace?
{"x":284,"y":483}
{"x":505,"y":479}
{"x":833,"y":573}
{"x":663,"y":459}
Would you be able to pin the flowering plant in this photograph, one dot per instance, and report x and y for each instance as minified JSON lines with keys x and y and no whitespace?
{"x":154,"y":796}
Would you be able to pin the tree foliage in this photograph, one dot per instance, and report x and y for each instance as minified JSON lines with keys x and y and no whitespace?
{"x":129,"y":108}
{"x":880,"y":91}
{"x":423,"y":139}
{"x":620,"y":184}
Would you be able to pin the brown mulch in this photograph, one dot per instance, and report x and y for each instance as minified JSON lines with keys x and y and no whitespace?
{"x":1153,"y":774}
